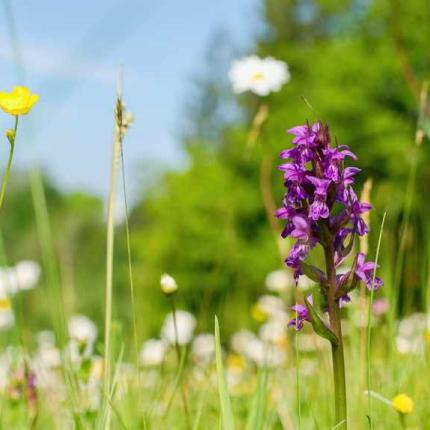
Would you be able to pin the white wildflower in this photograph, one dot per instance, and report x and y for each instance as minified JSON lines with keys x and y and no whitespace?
{"x":258,"y":75}
{"x":185,"y":323}
{"x":82,"y":330}
{"x":27,"y":274}
{"x":240,"y":340}
{"x":271,"y":305}
{"x":152,"y":352}
{"x":279,"y":281}
{"x":274,"y":331}
{"x":304,"y":283}
{"x":262,"y":353}
{"x":168,"y":284}
{"x":412,"y":333}
{"x":203,"y":347}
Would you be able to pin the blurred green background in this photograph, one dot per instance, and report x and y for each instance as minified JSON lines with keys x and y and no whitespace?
{"x":360,"y":65}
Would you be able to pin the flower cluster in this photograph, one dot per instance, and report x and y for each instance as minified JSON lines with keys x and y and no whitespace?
{"x":320,"y":206}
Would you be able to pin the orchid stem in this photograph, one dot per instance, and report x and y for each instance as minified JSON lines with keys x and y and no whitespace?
{"x":336,"y":349}
{"x":9,"y":162}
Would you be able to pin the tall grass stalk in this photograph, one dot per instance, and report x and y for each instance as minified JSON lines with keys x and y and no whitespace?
{"x":369,"y":326}
{"x":130,"y":267}
{"x":409,"y":196}
{"x":49,"y":259}
{"x":227,"y":417}
{"x":110,"y":236}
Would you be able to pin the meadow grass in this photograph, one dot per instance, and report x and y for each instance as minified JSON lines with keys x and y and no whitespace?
{"x":111,"y":389}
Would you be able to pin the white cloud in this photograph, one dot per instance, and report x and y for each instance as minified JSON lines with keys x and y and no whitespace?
{"x":55,"y":62}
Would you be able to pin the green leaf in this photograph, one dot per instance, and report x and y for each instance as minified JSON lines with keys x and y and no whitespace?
{"x":257,"y":411}
{"x":227,"y":418}
{"x":314,"y":273}
{"x":318,"y":325}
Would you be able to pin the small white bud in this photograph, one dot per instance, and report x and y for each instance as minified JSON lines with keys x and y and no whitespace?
{"x":168,"y":284}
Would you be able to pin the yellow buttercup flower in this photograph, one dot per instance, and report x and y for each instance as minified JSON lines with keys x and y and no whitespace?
{"x":403,"y":403}
{"x":5,"y":304}
{"x":235,"y":362}
{"x":259,"y":314}
{"x":18,"y":102}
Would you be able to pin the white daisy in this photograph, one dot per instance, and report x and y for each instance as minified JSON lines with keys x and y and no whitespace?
{"x":203,"y":347}
{"x":152,"y":352}
{"x":185,"y":322}
{"x":258,"y":75}
{"x":82,"y":329}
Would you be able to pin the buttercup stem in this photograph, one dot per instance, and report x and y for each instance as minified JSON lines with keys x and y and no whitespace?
{"x":336,"y":350}
{"x":9,"y":163}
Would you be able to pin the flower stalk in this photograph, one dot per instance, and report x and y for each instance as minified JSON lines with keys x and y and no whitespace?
{"x":11,"y":136}
{"x":337,"y":353}
{"x":178,"y":357}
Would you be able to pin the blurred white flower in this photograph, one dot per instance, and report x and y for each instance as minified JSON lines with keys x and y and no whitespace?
{"x":48,"y":356}
{"x":82,"y":329}
{"x":258,"y":75}
{"x":152,"y":352}
{"x":45,"y":337}
{"x":411,"y":334}
{"x":185,"y":323}
{"x":262,"y":353}
{"x":271,"y":305}
{"x":27,"y":274}
{"x":274,"y":331}
{"x":8,"y":282}
{"x":304,"y":283}
{"x":279,"y":281}
{"x":23,"y":276}
{"x":203,"y":347}
{"x":240,"y":340}
{"x":168,"y":284}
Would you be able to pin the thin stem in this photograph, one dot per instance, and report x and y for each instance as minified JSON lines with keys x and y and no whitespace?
{"x":369,"y":328}
{"x":299,"y":406}
{"x":403,"y":421}
{"x":409,"y":196}
{"x":336,"y":349}
{"x":110,"y":236}
{"x":178,"y":356}
{"x":9,"y":162}
{"x":130,"y":270}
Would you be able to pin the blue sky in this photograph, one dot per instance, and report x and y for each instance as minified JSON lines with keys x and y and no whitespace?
{"x":71,"y":52}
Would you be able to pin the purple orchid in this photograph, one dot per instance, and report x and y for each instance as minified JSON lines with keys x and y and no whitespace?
{"x":302,"y":228}
{"x":364,"y":271}
{"x":316,"y":179}
{"x":302,"y":315}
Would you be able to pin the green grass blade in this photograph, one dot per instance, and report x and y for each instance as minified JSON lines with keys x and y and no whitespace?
{"x":227,"y":418}
{"x":369,"y":327}
{"x":257,"y":413}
